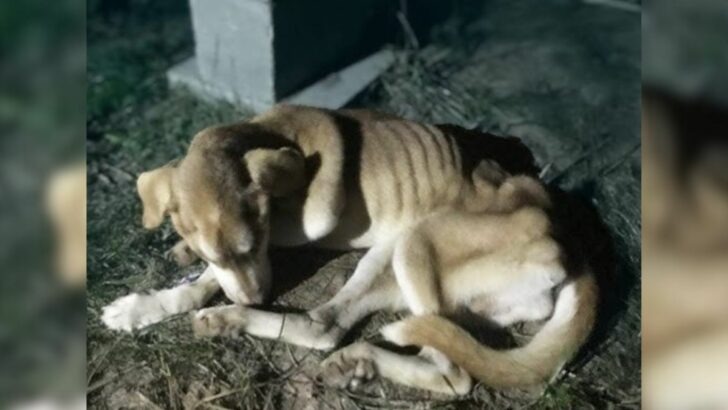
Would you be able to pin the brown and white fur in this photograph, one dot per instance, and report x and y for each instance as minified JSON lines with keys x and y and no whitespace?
{"x":451,"y":218}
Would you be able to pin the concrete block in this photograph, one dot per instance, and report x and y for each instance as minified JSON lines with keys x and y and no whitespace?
{"x":338,"y":88}
{"x":332,"y":92}
{"x":256,"y":52}
{"x":234,"y":47}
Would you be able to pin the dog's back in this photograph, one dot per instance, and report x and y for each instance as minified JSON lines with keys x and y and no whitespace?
{"x":391,"y":172}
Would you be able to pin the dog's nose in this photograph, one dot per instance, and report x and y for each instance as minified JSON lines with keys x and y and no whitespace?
{"x":236,"y":287}
{"x":255,"y":299}
{"x":240,"y":297}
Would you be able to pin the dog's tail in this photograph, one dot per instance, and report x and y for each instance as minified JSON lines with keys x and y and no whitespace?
{"x":536,"y":363}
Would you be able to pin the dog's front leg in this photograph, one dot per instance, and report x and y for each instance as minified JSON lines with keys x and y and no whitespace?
{"x":181,"y":254}
{"x":137,"y":310}
{"x":370,"y":268}
{"x":301,"y":329}
{"x":295,"y":328}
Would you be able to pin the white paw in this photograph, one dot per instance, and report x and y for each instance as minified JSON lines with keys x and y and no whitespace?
{"x":133,"y":311}
{"x":318,"y":223}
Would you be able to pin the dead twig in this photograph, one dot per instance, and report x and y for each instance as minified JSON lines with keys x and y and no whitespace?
{"x":408,"y":31}
{"x":216,"y":396}
{"x":622,"y":160}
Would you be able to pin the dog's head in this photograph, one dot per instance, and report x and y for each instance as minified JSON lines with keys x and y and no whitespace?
{"x":218,"y":199}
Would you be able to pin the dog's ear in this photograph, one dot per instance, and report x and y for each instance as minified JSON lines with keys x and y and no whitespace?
{"x":155,"y":191}
{"x":276,"y":171}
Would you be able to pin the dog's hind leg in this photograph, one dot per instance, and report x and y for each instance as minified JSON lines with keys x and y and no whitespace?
{"x":137,"y":310}
{"x":356,"y":364}
{"x":298,"y":328}
{"x":414,"y":267}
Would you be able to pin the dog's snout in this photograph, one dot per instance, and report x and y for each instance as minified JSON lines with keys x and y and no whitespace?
{"x":242,"y":286}
{"x":242,"y":298}
{"x":256,"y":298}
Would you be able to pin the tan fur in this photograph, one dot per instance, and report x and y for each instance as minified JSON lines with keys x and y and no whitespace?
{"x":279,"y":172}
{"x":182,"y":254}
{"x":452,"y":218}
{"x":155,"y":190}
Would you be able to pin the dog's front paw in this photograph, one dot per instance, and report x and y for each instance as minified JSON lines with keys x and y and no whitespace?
{"x":181,"y":254}
{"x":350,"y":367}
{"x":219,"y":321}
{"x":132,"y":312}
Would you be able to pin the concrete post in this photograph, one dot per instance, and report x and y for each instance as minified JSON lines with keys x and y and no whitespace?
{"x":258,"y":52}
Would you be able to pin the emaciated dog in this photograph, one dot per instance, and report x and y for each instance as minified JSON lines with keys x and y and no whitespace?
{"x":451,"y":219}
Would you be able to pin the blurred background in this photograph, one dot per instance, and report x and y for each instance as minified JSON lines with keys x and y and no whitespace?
{"x":685,"y":205}
{"x":42,"y":113}
{"x":567,"y":76}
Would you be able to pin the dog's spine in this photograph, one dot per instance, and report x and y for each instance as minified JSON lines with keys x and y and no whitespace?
{"x":536,"y":363}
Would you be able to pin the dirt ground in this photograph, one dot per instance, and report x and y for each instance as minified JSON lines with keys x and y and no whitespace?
{"x":563,"y":76}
